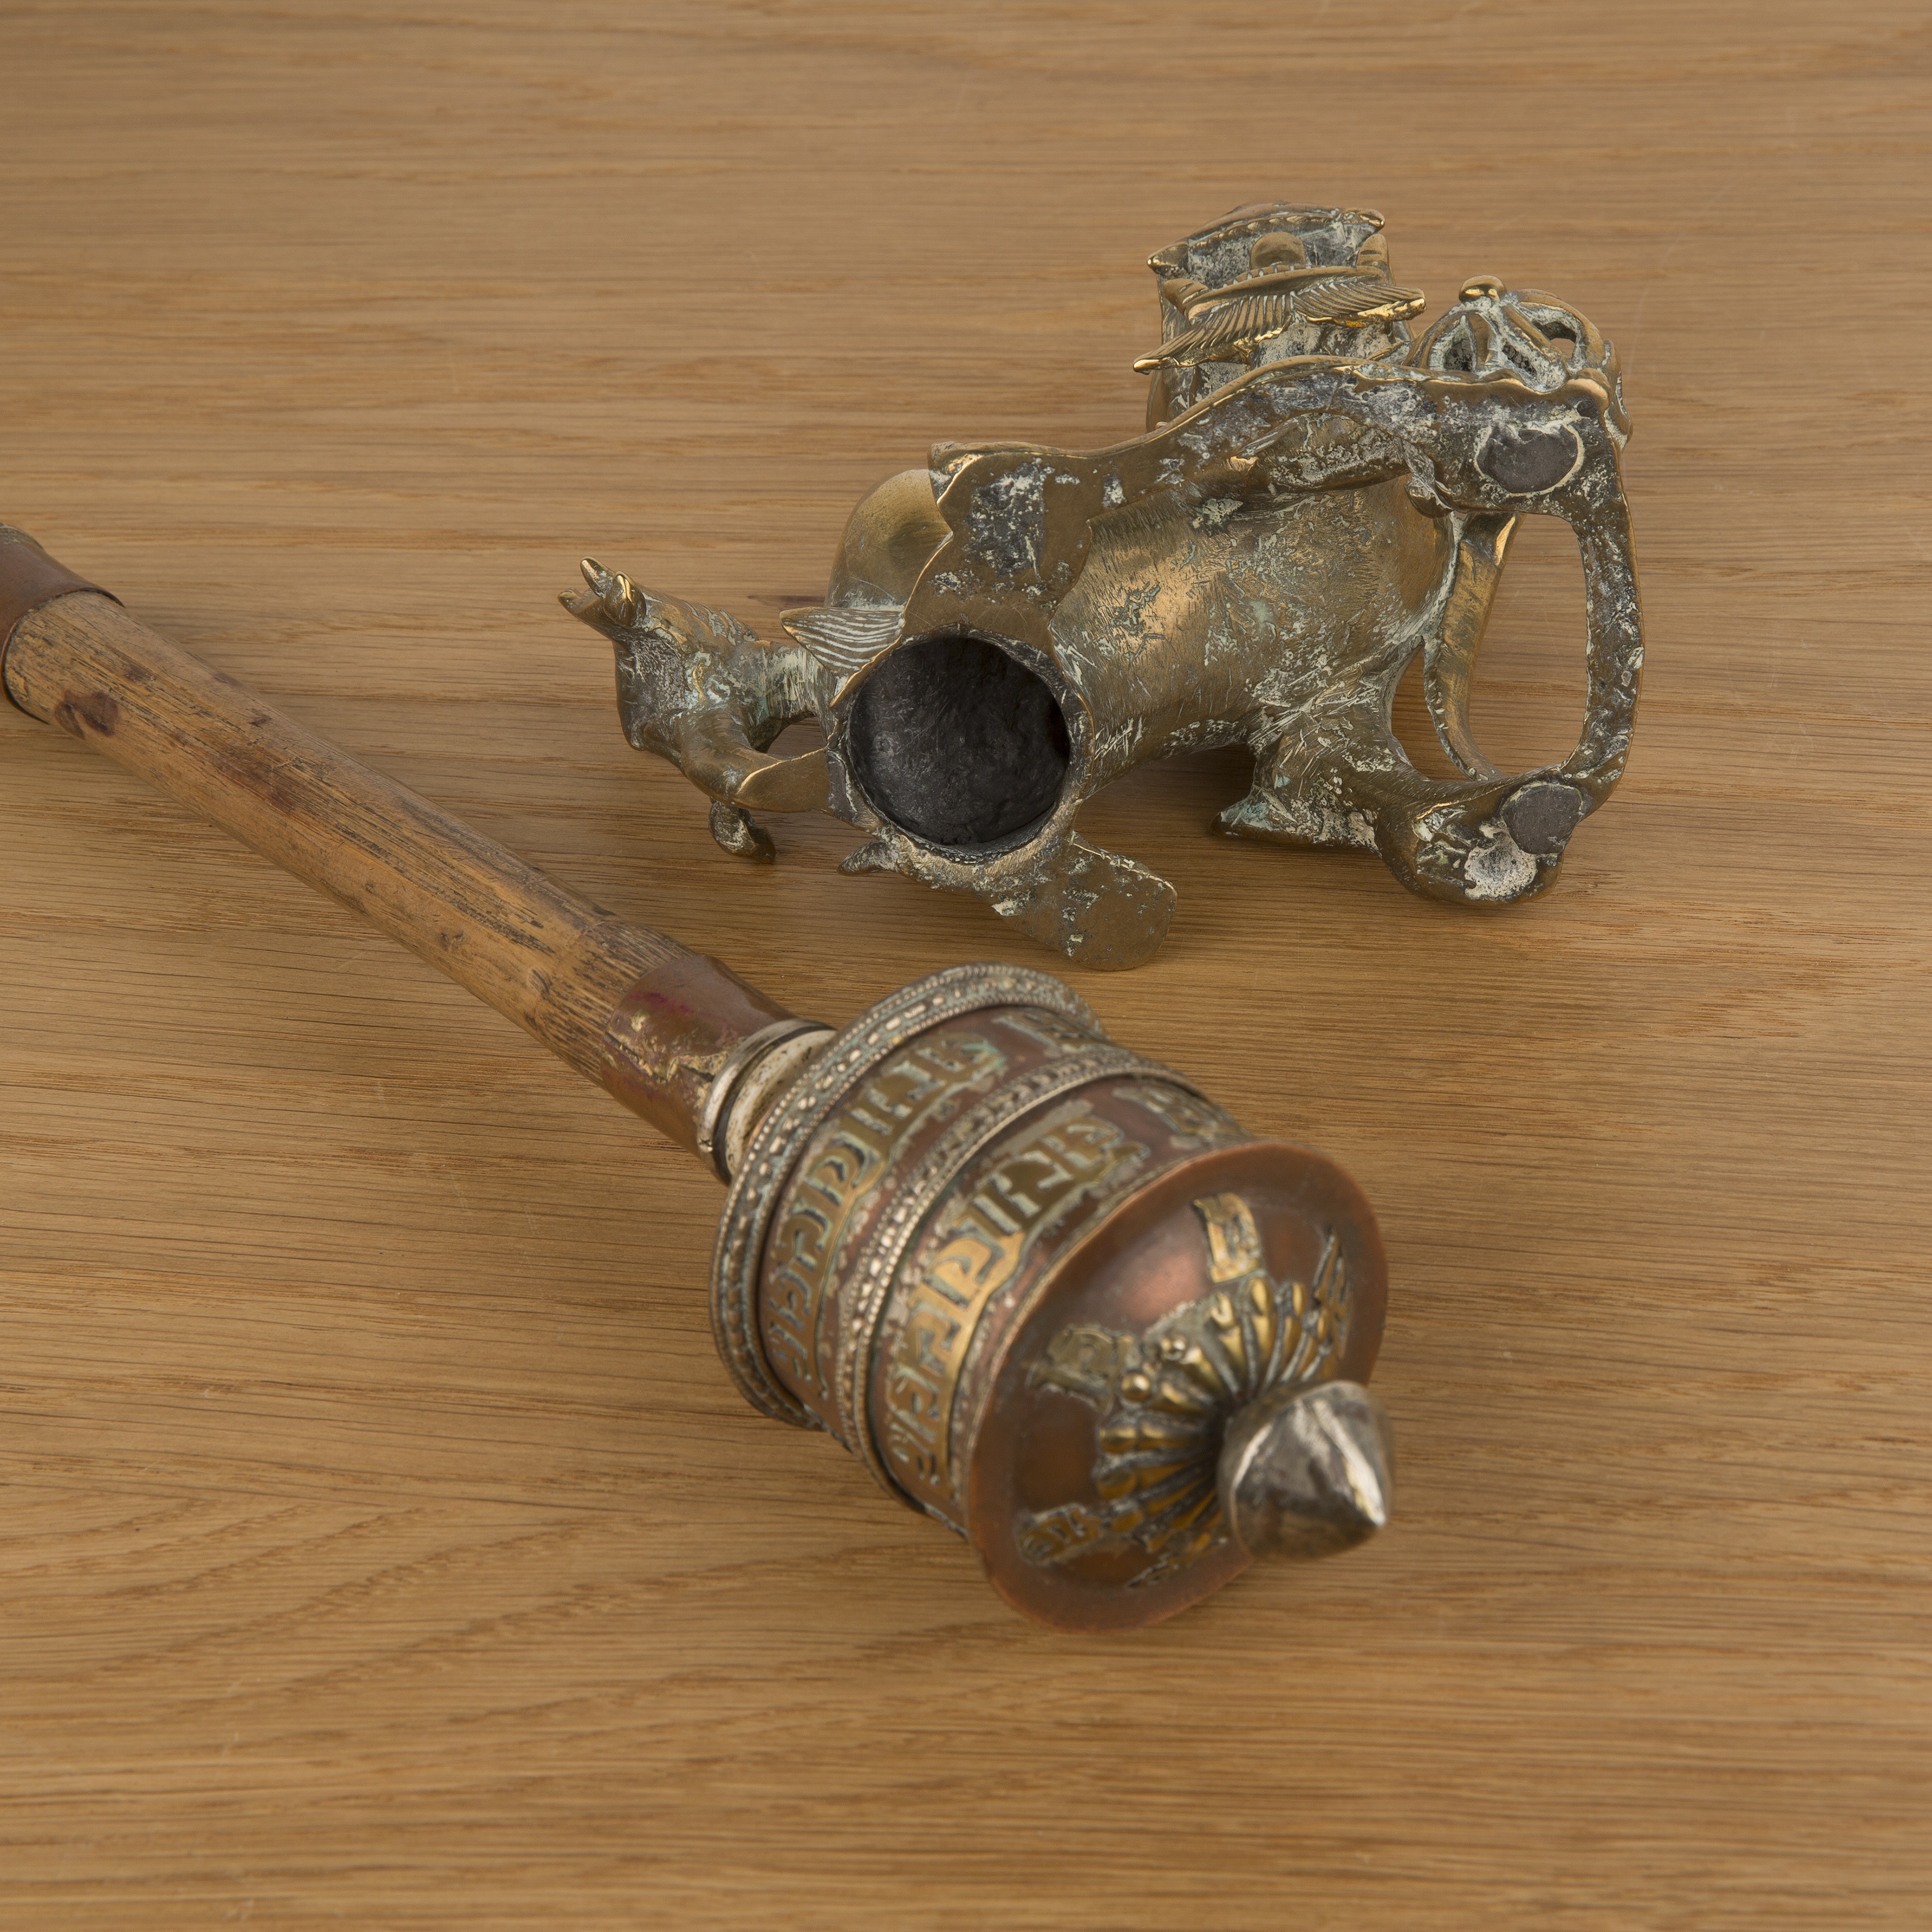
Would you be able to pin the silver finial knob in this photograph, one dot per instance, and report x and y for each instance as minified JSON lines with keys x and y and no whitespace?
{"x":1307,"y":1470}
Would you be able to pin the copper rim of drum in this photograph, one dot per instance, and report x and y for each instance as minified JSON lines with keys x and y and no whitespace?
{"x":1107,"y":1239}
{"x":917,"y":1193}
{"x":782,"y":1137}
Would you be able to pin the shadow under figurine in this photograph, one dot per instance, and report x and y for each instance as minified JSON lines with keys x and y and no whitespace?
{"x":1318,"y":497}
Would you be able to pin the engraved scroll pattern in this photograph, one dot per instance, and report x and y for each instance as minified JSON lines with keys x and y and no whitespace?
{"x":980,"y":1244}
{"x":916,"y":1084}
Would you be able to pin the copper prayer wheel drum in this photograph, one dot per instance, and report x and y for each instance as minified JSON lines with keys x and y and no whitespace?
{"x":1047,"y":1293}
{"x":1030,"y":1278}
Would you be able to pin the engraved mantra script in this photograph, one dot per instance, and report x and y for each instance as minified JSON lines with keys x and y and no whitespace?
{"x":1192,"y":1121}
{"x":980,"y":1244}
{"x":908,"y":1089}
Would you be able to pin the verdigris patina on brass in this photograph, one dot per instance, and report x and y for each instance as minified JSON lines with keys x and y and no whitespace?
{"x":1319,"y":497}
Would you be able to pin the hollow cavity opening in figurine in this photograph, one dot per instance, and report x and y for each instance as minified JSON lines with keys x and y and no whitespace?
{"x":958,"y":744}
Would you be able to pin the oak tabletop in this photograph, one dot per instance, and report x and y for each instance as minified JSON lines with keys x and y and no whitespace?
{"x":381,"y":1542}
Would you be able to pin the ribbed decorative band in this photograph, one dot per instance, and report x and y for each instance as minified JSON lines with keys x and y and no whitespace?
{"x":785,"y":1134}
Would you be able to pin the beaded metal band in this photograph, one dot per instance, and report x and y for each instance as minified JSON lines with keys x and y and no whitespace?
{"x":783,"y":1136}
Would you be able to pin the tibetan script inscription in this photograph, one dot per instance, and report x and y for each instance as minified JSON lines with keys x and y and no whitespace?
{"x":978,"y":1245}
{"x":1192,"y":1121}
{"x":1055,"y":1032}
{"x":930,"y":1076}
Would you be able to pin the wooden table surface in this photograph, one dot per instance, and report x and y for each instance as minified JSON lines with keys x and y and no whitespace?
{"x":382,"y":1544}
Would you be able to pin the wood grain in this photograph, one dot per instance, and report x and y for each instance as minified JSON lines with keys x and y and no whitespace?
{"x":382,"y":1544}
{"x":554,"y":963}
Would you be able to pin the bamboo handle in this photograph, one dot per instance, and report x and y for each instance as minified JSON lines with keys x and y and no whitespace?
{"x":628,"y":1007}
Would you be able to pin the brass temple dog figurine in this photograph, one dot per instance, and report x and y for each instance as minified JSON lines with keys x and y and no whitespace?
{"x":1047,"y":1292}
{"x":1319,"y":496}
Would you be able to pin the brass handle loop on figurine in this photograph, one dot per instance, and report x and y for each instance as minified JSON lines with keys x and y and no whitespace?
{"x":1546,"y":804}
{"x":1538,"y":357}
{"x":1509,"y":406}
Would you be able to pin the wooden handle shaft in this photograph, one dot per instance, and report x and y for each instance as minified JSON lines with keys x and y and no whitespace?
{"x":627,"y":1006}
